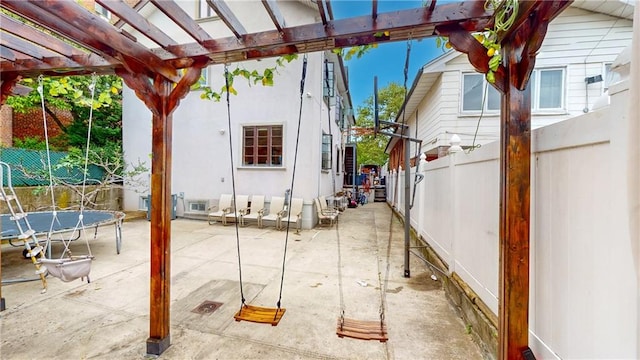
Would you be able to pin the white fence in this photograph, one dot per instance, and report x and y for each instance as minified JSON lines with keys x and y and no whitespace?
{"x":583,"y":288}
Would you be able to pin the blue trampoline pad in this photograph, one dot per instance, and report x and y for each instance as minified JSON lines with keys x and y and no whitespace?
{"x":65,"y":221}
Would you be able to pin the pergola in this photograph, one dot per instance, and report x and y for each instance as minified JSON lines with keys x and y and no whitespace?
{"x":60,"y":37}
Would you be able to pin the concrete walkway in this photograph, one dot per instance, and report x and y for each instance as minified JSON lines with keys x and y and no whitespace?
{"x":109,"y":317}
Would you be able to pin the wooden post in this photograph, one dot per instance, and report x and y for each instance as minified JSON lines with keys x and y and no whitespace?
{"x":160,"y":202}
{"x":515,"y":159}
{"x":161,"y":98}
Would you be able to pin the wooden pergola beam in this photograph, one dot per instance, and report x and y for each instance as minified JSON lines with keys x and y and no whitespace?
{"x":183,"y":20}
{"x":227,"y":16}
{"x":89,"y":31}
{"x":354,"y":30}
{"x":274,"y":13}
{"x":28,"y":32}
{"x":138,"y":22}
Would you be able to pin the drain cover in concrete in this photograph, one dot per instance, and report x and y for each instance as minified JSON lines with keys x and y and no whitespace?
{"x":207,"y":307}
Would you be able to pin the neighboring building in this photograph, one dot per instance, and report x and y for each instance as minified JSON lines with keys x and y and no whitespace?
{"x":264,"y":125}
{"x":572,"y":71}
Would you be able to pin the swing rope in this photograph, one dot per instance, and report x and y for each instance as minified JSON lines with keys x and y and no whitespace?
{"x":333,"y":178}
{"x":80,"y":224}
{"x":233,"y":184}
{"x":46,"y":138}
{"x":293,"y":177}
{"x":352,"y":328}
{"x":255,"y":313}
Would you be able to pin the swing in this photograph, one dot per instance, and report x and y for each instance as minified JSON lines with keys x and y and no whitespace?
{"x":368,"y":329}
{"x":68,"y":267}
{"x":251,"y":313}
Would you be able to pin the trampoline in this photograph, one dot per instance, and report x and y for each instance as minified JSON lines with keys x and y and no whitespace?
{"x":66,"y":222}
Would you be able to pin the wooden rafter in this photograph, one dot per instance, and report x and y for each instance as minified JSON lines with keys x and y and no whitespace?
{"x":182,"y":19}
{"x":227,"y":16}
{"x":45,"y":40}
{"x":374,"y":9}
{"x":138,"y":22}
{"x":109,"y":48}
{"x":322,"y":12}
{"x":274,"y":13}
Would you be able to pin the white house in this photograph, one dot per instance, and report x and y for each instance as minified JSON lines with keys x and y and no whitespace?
{"x":264,"y":125}
{"x":572,"y":71}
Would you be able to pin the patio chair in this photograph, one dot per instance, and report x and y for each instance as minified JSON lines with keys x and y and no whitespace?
{"x":330,"y":210}
{"x":327,"y":215}
{"x":294,"y":215}
{"x":222,"y":209}
{"x":256,"y":211}
{"x":276,"y":209}
{"x":240,"y":207}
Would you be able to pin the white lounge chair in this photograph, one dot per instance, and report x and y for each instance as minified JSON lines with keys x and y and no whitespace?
{"x":222,"y":209}
{"x":256,"y":211}
{"x":293,"y":215}
{"x":327,"y":215}
{"x":240,"y":207}
{"x":327,"y":209}
{"x":276,"y":209}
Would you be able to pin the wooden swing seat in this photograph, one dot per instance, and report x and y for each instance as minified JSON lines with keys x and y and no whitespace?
{"x":258,"y":314}
{"x":361,"y":329}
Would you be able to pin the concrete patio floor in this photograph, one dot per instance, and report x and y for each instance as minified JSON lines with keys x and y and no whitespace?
{"x":109,"y":317}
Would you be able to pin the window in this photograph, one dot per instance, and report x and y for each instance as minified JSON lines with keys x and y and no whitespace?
{"x":476,"y":91}
{"x":339,"y":109}
{"x":104,"y":13}
{"x":547,"y":89}
{"x":327,"y":146}
{"x":338,"y":157}
{"x":204,"y":11}
{"x":262,"y":145}
{"x":328,"y":80}
{"x":203,"y":80}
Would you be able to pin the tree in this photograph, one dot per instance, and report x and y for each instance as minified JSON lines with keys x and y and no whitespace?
{"x":370,"y":148}
{"x":73,"y":93}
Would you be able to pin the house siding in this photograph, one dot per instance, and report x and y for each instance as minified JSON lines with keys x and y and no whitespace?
{"x":579,"y":41}
{"x":201,"y":157}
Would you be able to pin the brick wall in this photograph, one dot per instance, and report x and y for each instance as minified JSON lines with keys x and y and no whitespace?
{"x":30,"y":124}
{"x":6,"y":126}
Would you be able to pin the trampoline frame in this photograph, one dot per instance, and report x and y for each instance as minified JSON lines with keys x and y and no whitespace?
{"x":117,"y":218}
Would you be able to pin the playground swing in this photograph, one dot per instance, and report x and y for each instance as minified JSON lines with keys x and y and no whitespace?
{"x":370,"y":329}
{"x":252,"y":313}
{"x":68,"y":267}
{"x":357,"y":329}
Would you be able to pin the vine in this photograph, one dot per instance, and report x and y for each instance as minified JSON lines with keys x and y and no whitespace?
{"x":505,"y":12}
{"x":265,"y":78}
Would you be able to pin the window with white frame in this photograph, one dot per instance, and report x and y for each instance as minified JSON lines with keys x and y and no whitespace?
{"x":547,"y":91}
{"x":478,"y":95}
{"x":262,"y":145}
{"x":204,"y":10}
{"x":327,"y":147}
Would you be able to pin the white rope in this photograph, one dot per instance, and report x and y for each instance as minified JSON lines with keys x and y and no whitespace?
{"x":80,"y":224}
{"x":46,"y":140}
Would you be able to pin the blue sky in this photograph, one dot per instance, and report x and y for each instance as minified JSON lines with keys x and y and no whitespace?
{"x":387,"y":60}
